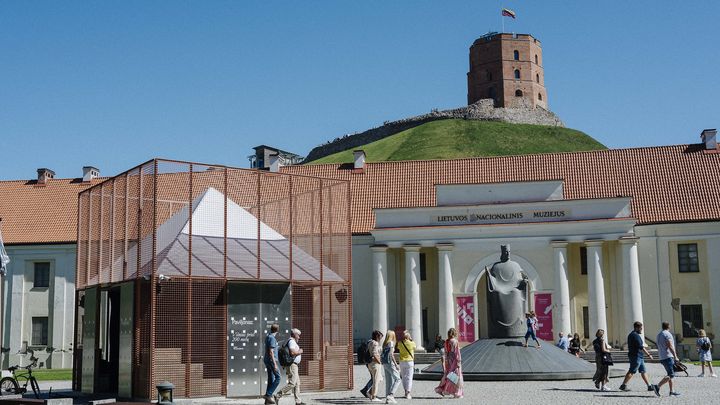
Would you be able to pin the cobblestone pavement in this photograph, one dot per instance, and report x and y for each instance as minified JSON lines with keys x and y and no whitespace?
{"x":576,"y":392}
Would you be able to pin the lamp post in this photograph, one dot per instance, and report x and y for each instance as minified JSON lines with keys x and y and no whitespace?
{"x":165,"y":392}
{"x":4,"y":260}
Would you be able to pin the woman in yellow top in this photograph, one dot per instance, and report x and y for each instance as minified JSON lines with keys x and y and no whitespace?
{"x":407,"y":362}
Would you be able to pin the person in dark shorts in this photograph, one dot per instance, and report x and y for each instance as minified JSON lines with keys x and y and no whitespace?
{"x":667,"y":354}
{"x":636,"y":355}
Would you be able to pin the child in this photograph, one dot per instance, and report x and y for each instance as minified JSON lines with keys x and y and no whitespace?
{"x":705,"y":355}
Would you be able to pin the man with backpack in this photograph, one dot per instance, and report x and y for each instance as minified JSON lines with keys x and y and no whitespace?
{"x":289,"y":356}
{"x":369,"y":354}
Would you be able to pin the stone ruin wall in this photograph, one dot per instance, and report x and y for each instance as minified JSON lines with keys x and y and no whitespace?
{"x":482,"y":110}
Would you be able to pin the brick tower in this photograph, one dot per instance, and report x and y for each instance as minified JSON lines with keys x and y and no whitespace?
{"x":508,"y":69}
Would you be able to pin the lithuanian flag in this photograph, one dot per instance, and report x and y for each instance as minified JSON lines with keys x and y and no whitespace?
{"x":506,"y":12}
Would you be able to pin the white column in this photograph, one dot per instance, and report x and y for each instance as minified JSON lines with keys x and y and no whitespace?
{"x":379,"y":288}
{"x":561,"y":295}
{"x":596,"y":288}
{"x":413,"y":308}
{"x":446,"y":305}
{"x":631,"y":282}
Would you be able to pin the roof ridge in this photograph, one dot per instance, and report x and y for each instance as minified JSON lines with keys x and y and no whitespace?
{"x":470,"y":158}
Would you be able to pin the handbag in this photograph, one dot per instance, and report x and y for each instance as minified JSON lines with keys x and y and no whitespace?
{"x":607,"y":359}
{"x":453,"y":377}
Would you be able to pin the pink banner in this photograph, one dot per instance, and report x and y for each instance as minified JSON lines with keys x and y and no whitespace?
{"x":465,"y":309}
{"x":543,"y":310}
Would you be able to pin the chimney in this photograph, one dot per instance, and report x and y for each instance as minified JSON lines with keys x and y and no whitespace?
{"x":275,"y":163}
{"x":89,"y":173}
{"x":709,"y":139}
{"x":44,"y":174}
{"x":359,"y":159}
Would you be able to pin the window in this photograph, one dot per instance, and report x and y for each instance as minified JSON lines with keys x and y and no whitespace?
{"x":536,"y":60}
{"x":42,"y":275}
{"x":488,"y":75}
{"x":586,"y":322}
{"x":537,"y":78}
{"x":518,"y":93}
{"x":491,"y":93}
{"x":423,"y":267}
{"x":692,"y":319}
{"x":583,"y":260}
{"x":540,"y":96}
{"x":40,"y":331}
{"x":517,"y":73}
{"x":688,"y":258}
{"x":516,"y":55}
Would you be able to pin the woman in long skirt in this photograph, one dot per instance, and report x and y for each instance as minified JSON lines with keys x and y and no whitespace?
{"x":601,"y":370}
{"x":452,"y":379}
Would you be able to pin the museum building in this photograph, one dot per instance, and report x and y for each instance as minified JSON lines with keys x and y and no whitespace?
{"x":605,"y":238}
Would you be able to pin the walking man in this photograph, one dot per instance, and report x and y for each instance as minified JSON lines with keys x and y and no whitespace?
{"x":292,"y":372}
{"x":636,"y":355}
{"x":271,"y":363}
{"x":667,"y":355}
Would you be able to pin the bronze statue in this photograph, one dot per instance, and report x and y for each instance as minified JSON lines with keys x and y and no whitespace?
{"x":507,"y":292}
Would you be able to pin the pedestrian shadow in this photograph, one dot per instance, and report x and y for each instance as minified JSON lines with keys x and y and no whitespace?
{"x":612,"y":394}
{"x":510,"y":343}
{"x":350,"y":400}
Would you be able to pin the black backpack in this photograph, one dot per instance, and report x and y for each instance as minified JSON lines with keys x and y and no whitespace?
{"x":705,"y":346}
{"x":284,"y":356}
{"x":363,"y":353}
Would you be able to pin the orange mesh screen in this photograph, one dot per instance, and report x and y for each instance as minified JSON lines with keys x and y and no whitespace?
{"x":181,"y":230}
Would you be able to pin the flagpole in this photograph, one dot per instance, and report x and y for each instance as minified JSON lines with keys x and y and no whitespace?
{"x":502,"y":19}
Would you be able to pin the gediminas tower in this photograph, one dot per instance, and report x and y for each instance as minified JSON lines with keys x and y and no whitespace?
{"x":508,"y":69}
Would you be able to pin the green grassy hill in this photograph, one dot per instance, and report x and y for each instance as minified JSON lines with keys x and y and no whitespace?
{"x":455,"y":138}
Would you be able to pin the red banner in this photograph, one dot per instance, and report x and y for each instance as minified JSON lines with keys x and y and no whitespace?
{"x":543,"y":311}
{"x":465,"y":309}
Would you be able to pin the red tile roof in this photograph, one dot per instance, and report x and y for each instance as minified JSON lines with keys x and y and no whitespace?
{"x":34,"y":214}
{"x":667,"y":183}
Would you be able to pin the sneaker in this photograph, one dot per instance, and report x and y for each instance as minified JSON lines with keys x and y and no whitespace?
{"x":650,"y":388}
{"x":408,"y":396}
{"x":390,"y":400}
{"x":268,"y":400}
{"x":597,"y":385}
{"x":624,"y":388}
{"x":364,"y":392}
{"x":674,"y":394}
{"x":604,"y":388}
{"x":701,"y":375}
{"x":656,"y":389}
{"x":376,"y":399}
{"x":713,"y":375}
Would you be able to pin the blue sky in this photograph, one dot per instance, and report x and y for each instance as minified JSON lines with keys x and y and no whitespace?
{"x":112,"y":84}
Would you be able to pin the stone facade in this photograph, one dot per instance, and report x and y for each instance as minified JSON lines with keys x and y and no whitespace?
{"x":507,"y":68}
{"x":523,"y":112}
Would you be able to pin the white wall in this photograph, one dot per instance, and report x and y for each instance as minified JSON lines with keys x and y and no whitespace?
{"x":23,"y":302}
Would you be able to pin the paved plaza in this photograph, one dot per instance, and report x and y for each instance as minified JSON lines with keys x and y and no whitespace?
{"x":576,"y":392}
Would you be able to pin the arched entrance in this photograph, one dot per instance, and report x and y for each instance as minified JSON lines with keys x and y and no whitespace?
{"x":477,"y":280}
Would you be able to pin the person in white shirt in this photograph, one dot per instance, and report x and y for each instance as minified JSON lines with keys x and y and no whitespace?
{"x":292,"y":372}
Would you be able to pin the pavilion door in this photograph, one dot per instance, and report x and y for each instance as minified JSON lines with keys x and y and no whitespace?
{"x":252,"y":309}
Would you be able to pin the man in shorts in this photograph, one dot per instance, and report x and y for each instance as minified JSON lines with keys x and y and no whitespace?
{"x":667,"y":354}
{"x":636,"y":355}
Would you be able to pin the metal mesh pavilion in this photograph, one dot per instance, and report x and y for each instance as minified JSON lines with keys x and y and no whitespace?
{"x":162,"y":246}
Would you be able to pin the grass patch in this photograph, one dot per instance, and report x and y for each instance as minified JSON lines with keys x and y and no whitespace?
{"x":55,"y":374}
{"x":715,"y":363}
{"x":456,"y":138}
